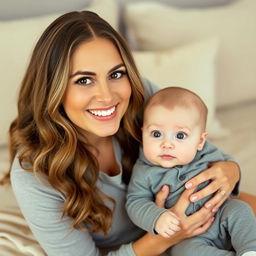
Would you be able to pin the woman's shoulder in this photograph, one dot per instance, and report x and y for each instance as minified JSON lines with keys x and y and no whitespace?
{"x":150,"y":88}
{"x":27,"y":184}
{"x":21,"y":177}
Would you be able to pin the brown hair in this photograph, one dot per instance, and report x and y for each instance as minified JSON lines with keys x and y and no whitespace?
{"x":43,"y":135}
{"x":171,"y":97}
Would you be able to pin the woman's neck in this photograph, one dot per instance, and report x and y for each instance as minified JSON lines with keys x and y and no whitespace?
{"x":106,"y":157}
{"x":102,"y":148}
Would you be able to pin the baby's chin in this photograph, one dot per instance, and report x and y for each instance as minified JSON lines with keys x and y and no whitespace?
{"x":167,"y":162}
{"x":168,"y":165}
{"x":171,"y":164}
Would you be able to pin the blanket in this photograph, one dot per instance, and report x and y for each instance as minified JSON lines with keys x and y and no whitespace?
{"x":15,"y":235}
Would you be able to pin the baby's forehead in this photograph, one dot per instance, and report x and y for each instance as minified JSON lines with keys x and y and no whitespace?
{"x":177,"y":97}
{"x":172,"y":107}
{"x":180,"y":115}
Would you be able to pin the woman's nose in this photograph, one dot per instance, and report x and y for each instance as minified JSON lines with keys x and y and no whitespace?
{"x":104,"y":92}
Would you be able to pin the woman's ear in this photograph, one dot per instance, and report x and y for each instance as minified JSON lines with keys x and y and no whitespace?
{"x":202,"y":141}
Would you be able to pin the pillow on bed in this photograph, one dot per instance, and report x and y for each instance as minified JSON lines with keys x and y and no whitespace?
{"x":155,"y":26}
{"x":18,"y":38}
{"x":160,"y":26}
{"x":191,"y":66}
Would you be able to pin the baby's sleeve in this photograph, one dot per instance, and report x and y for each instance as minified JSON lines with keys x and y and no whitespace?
{"x":140,"y":204}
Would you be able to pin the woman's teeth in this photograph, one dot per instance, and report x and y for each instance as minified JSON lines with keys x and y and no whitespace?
{"x":103,"y":112}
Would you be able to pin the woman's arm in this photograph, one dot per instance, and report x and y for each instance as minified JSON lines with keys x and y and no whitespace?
{"x":197,"y":223}
{"x":249,"y":199}
{"x":224,"y":176}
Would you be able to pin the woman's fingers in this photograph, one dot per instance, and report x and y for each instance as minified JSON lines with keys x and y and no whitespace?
{"x":206,"y":191}
{"x":198,"y":179}
{"x":161,"y":196}
{"x":182,"y":204}
{"x":219,"y":181}
{"x":194,"y":223}
{"x":218,"y":199}
{"x":203,"y":228}
{"x":211,"y":188}
{"x":200,"y":217}
{"x":216,"y":205}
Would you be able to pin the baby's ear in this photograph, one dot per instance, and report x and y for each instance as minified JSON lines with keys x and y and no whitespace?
{"x":202,"y":141}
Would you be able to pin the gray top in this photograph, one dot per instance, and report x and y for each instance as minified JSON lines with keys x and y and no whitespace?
{"x":42,"y":207}
{"x":147,"y":179}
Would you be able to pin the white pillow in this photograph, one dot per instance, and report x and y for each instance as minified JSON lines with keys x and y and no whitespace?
{"x":18,"y":38}
{"x":192,"y":67}
{"x":156,"y":26}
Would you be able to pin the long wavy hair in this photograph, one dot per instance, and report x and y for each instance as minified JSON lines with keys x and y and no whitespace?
{"x":42,"y":134}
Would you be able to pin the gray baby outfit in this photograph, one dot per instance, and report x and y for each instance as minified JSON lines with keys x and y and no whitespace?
{"x":234,"y":225}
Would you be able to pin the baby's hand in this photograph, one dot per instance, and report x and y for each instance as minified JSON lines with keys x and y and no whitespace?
{"x":167,"y":224}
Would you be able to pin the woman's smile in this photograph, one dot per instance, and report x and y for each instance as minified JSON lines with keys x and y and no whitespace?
{"x":104,"y":114}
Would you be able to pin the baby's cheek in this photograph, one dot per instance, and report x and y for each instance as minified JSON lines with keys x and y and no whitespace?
{"x":150,"y":152}
{"x":187,"y":157}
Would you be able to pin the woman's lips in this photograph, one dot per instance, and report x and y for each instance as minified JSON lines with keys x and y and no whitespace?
{"x":104,"y":114}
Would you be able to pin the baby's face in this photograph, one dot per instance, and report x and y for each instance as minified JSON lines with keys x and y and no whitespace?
{"x":172,"y":136}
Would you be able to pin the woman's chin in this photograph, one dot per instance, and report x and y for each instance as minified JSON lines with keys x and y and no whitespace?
{"x":108,"y":132}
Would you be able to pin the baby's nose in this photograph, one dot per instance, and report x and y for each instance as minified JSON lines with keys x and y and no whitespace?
{"x":167,"y":144}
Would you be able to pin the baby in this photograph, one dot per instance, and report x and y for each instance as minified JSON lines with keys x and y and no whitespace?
{"x":174,"y":150}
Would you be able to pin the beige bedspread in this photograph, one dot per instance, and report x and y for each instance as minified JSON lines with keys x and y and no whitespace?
{"x":15,"y":236}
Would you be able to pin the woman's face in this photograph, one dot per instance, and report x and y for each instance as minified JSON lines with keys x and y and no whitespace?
{"x":98,"y":90}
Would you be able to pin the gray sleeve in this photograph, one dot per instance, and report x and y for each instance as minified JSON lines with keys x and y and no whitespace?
{"x":42,"y":207}
{"x":140,"y":201}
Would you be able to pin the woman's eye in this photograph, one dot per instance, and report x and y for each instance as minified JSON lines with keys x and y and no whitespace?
{"x":117,"y":74}
{"x":84,"y":81}
{"x":181,"y":135}
{"x":156,"y":134}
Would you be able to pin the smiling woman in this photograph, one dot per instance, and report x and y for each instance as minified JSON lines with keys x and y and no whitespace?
{"x":76,"y":138}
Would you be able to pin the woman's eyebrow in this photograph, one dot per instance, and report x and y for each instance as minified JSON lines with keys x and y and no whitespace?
{"x":116,"y":67}
{"x":89,"y":73}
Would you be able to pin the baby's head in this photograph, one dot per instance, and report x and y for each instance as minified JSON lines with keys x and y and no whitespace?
{"x":173,"y":127}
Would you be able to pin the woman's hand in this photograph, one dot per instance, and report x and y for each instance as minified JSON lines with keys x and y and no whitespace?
{"x":192,"y":225}
{"x":223,"y":176}
{"x":197,"y":223}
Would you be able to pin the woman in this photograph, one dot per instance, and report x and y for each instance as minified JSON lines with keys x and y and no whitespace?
{"x":75,"y":140}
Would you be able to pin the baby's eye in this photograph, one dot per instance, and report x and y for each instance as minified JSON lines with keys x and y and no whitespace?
{"x":84,"y":81}
{"x":156,"y":134}
{"x":181,"y":135}
{"x":118,"y":74}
